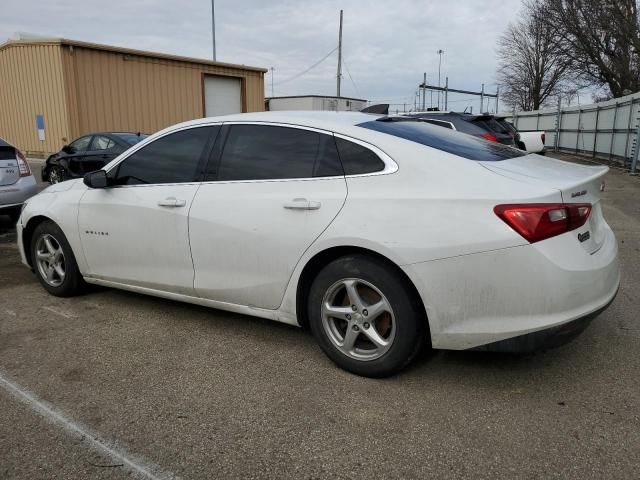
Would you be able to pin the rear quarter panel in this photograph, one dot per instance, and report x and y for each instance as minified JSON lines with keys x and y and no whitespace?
{"x":436,"y":206}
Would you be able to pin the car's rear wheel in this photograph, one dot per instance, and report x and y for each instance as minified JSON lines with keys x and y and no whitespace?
{"x":56,"y":175}
{"x":53,"y":261}
{"x":365,"y":316}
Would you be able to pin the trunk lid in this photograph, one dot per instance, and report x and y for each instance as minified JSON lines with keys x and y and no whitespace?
{"x":576,"y":183}
{"x":9,"y":170}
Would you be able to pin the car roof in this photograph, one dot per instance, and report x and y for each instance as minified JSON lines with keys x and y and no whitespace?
{"x":4,"y":143}
{"x":327,"y":120}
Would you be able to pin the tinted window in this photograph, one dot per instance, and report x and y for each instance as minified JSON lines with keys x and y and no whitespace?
{"x":466,"y":146}
{"x":81,"y":144}
{"x":7,"y":153}
{"x":357,"y":159}
{"x":260,"y":152}
{"x":173,"y":158}
{"x":131,"y":138}
{"x":101,"y":142}
{"x":440,"y":123}
{"x":491,"y":125}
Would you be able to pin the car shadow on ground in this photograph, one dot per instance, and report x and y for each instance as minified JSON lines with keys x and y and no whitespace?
{"x":7,"y":229}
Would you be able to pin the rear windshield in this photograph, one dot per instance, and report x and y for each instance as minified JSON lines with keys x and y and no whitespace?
{"x":7,"y":153}
{"x":491,"y":124}
{"x":461,"y":144}
{"x":131,"y":138}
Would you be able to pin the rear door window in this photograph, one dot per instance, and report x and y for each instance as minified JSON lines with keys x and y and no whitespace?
{"x":466,"y":146}
{"x":100,"y":142}
{"x":265,"y":152}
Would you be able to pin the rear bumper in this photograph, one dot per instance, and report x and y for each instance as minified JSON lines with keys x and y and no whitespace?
{"x":487,"y":298}
{"x":544,"y":339}
{"x":16,"y":194}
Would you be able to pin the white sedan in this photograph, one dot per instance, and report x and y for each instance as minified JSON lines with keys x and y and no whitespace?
{"x":380,"y":234}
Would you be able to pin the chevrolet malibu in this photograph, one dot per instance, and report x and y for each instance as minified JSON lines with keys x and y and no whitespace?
{"x":379,"y":234}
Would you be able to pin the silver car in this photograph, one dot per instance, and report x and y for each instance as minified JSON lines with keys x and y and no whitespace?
{"x":17,"y":183}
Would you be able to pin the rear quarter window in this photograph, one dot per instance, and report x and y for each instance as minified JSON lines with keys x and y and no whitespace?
{"x":463,"y":145}
{"x":356,"y":159}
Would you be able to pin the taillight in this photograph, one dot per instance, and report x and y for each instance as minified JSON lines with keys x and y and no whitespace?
{"x":23,"y":166}
{"x":489,"y":136}
{"x":542,"y":137}
{"x":537,"y":221}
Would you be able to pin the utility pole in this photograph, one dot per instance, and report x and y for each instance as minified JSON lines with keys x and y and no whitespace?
{"x":446,"y":94}
{"x":272,"y":69}
{"x":439,"y":52}
{"x":424,"y":92}
{"x":481,"y":100}
{"x":339,"y":56}
{"x":213,"y":27}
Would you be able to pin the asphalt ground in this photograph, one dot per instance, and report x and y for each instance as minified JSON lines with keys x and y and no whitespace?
{"x":119,"y":385}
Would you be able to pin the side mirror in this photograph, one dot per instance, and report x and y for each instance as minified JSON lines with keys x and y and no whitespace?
{"x":97,"y":179}
{"x":67,"y":149}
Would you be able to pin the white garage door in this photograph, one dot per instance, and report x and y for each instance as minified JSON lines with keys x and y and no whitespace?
{"x":221,"y":95}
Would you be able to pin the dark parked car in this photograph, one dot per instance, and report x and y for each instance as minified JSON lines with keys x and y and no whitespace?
{"x":484,"y":126}
{"x":86,"y":154}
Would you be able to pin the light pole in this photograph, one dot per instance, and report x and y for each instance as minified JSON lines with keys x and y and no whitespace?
{"x":272,"y":69}
{"x":439,"y":52}
{"x":213,"y":27}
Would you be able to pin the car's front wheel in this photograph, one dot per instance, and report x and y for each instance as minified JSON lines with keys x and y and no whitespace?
{"x":365,"y":316}
{"x":53,"y":261}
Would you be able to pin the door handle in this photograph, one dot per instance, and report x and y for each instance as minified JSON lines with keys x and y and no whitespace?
{"x":302,"y":204}
{"x":172,"y":202}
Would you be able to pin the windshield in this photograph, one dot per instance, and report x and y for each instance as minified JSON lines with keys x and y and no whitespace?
{"x":461,"y":144}
{"x":131,"y":138}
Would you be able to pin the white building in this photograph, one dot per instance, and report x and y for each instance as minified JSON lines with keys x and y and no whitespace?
{"x":315,"y":102}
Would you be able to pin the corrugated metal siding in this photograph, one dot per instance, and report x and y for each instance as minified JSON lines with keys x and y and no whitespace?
{"x":32,"y":83}
{"x":116,"y":91}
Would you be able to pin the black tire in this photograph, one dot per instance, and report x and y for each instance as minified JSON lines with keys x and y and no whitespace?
{"x":72,"y":283}
{"x":56,"y":174}
{"x":14,"y":215}
{"x":411,"y":326}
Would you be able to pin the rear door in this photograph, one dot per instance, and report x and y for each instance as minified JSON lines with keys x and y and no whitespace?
{"x":272,"y":190}
{"x":9,"y":172}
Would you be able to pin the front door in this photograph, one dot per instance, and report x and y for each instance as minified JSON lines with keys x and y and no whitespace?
{"x":136,"y":232}
{"x":272,"y":191}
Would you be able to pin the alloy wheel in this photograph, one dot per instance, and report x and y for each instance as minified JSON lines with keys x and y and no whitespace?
{"x":50,"y":260}
{"x":358,"y":319}
{"x":55,"y":176}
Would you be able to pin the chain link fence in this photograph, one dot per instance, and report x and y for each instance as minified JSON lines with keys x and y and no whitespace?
{"x":606,"y":130}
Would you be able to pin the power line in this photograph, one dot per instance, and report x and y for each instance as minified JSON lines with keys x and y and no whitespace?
{"x":298,"y":75}
{"x":350,"y":77}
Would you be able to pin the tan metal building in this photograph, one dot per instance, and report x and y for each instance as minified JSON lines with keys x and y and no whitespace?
{"x":71,"y":88}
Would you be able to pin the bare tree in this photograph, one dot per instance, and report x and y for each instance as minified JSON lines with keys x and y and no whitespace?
{"x":603,"y":39}
{"x":531,"y":66}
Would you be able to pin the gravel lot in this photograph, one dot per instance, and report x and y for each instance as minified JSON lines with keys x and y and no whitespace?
{"x":176,"y":390}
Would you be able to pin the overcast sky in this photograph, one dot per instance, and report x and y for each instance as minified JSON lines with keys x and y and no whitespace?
{"x":387,"y":44}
